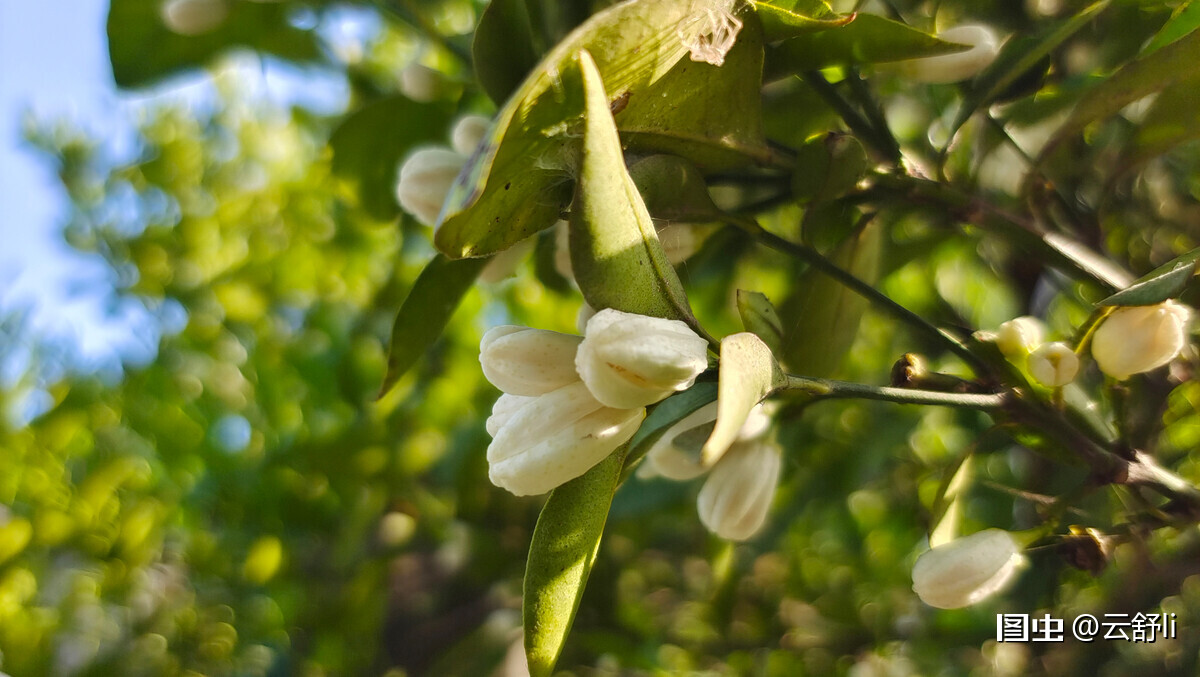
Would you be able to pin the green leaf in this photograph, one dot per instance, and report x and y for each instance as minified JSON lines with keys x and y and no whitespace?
{"x":618,"y":260}
{"x":1165,"y":67}
{"x":1159,"y":285}
{"x":783,"y":19}
{"x":820,"y":322}
{"x":503,"y":48}
{"x":760,"y":318}
{"x":711,"y":115}
{"x":144,"y":51}
{"x":666,"y":414}
{"x":519,"y":181}
{"x":1016,"y":59}
{"x":748,"y":373}
{"x":424,"y":314}
{"x":1173,"y":119}
{"x":564,"y":547}
{"x":370,"y":142}
{"x":1183,"y":21}
{"x":673,"y":189}
{"x":867,"y":39}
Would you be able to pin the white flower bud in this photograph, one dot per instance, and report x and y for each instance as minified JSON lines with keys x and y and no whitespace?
{"x":676,"y":455}
{"x":630,"y":360}
{"x":419,"y":83}
{"x":504,"y":408}
{"x":1137,"y":339}
{"x":504,"y":265}
{"x":528,"y":362}
{"x":1019,"y":337}
{"x":967,"y":570}
{"x":734,"y":500}
{"x":425,"y":181}
{"x":468,"y":133}
{"x":555,"y":438}
{"x":1054,"y":364}
{"x":581,"y":318}
{"x":946,"y":68}
{"x":193,"y":17}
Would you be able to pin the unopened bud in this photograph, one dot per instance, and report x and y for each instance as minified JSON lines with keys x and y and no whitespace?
{"x":528,"y":362}
{"x":735,"y":499}
{"x":1054,"y":364}
{"x":967,"y":570}
{"x":1137,"y":339}
{"x":425,"y":181}
{"x":630,"y":360}
{"x":1019,"y":337}
{"x":555,"y":438}
{"x":676,"y":455}
{"x":468,"y":133}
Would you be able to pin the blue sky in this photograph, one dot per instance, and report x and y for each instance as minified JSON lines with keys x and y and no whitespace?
{"x":54,"y":65}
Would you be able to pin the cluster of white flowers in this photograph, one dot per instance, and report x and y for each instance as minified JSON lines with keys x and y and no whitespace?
{"x":1131,"y":340}
{"x":569,"y":401}
{"x":427,"y":174}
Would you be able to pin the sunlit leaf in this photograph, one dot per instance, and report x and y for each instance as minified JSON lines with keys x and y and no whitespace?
{"x":748,"y":373}
{"x":711,"y":115}
{"x":519,"y":181}
{"x":370,"y":142}
{"x":867,"y":39}
{"x":1183,"y":21}
{"x":785,"y":19}
{"x":618,"y":260}
{"x":946,"y":512}
{"x":434,"y":297}
{"x":1159,"y":285}
{"x":561,"y":555}
{"x":143,"y":50}
{"x":1173,"y":119}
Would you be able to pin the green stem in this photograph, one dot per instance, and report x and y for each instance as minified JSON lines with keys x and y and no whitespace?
{"x":827,"y":388}
{"x":872,"y":295}
{"x":853,"y":119}
{"x":875,"y":116}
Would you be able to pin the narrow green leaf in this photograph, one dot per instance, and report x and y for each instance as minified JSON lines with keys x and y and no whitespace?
{"x":783,"y":19}
{"x":618,"y":260}
{"x":518,"y":183}
{"x":424,"y":314}
{"x":711,"y":115}
{"x":1157,"y":287}
{"x":867,"y":39}
{"x":143,"y":50}
{"x":760,"y":318}
{"x":564,"y":547}
{"x":1173,"y":119}
{"x":370,"y":142}
{"x":748,"y":373}
{"x":820,"y":322}
{"x":503,"y":48}
{"x":1017,"y":58}
{"x":1183,"y":21}
{"x":1170,"y":65}
{"x":666,"y":414}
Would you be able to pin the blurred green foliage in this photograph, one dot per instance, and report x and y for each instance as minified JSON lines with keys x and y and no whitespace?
{"x":242,"y":505}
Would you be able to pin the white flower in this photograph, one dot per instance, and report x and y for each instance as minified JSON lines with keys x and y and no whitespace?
{"x":504,"y":264}
{"x":468,"y":133}
{"x":676,"y":455}
{"x":734,"y":500}
{"x":528,"y":362}
{"x":946,"y":68}
{"x":193,"y":17}
{"x":425,"y":181}
{"x":1018,"y":337}
{"x":419,"y":83}
{"x":505,"y":406}
{"x":1054,"y":364}
{"x":630,"y":360}
{"x":967,"y":570}
{"x":552,"y":439}
{"x":710,"y":31}
{"x":1136,"y":339}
